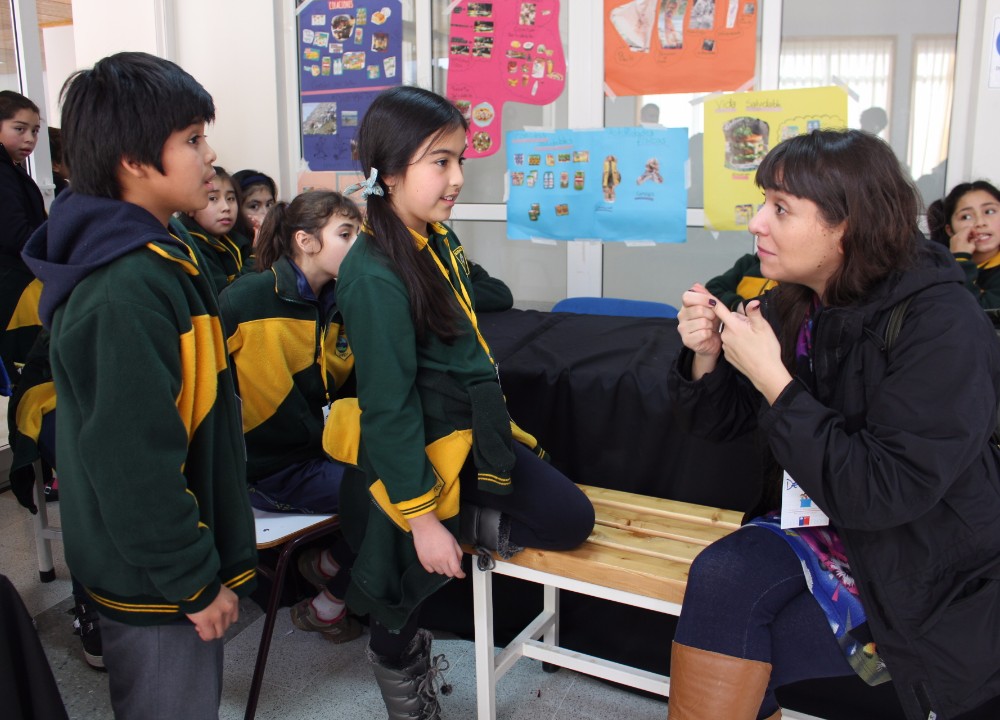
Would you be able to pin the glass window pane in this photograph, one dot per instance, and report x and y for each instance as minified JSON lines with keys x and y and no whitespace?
{"x":8,"y":49}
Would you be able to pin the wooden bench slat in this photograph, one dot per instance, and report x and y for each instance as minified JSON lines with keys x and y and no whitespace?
{"x":630,"y":572}
{"x":668,"y":508}
{"x":656,"y":547}
{"x":684,"y":530}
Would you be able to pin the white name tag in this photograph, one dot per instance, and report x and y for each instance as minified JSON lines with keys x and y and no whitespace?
{"x":797,"y":509}
{"x":326,"y":413}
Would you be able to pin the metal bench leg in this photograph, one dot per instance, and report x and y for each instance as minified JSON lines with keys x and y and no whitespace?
{"x":551,"y":636}
{"x":482,"y":603}
{"x":40,"y":521}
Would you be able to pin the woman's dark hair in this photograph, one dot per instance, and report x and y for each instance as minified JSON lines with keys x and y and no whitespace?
{"x":125,"y":107}
{"x":11,"y":103}
{"x":397,"y":124}
{"x":855,"y":179}
{"x":310,"y":212}
{"x":940,"y":211}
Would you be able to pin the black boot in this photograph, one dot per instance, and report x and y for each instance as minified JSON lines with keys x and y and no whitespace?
{"x":411,"y":691}
{"x":86,"y":624}
{"x":487,"y":530}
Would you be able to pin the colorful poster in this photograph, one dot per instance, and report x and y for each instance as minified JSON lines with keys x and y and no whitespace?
{"x":615,"y":184}
{"x":349,"y":51}
{"x":500,"y":52}
{"x":740,"y":129}
{"x":653,"y":47}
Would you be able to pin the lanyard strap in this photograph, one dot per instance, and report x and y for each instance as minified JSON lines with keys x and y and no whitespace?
{"x":461,"y":294}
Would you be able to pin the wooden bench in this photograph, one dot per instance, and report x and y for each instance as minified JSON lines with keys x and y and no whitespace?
{"x":639,"y":554}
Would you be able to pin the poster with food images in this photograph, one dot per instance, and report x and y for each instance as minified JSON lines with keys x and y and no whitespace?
{"x":654,"y":47}
{"x":613,"y":184}
{"x":499,"y":52}
{"x":741,"y":128}
{"x":348,"y":52}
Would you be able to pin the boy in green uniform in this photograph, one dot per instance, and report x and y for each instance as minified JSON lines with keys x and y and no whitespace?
{"x":155,"y":515}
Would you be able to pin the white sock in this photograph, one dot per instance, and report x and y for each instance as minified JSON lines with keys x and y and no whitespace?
{"x":327,"y":565}
{"x":327,"y":607}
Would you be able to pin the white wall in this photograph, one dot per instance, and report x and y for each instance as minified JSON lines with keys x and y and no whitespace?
{"x":59,"y":46}
{"x":229,"y":47}
{"x":984,"y":140}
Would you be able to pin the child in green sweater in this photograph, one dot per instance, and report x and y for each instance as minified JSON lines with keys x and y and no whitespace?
{"x":155,"y":515}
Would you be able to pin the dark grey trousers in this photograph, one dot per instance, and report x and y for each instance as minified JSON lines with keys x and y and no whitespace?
{"x":163,"y":672}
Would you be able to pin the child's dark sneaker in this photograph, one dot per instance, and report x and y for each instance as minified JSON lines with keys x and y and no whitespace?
{"x":87,"y":625}
{"x":340,"y":630}
{"x":308,"y":565}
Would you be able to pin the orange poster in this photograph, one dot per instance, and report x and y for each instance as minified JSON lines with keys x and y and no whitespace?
{"x":654,"y":47}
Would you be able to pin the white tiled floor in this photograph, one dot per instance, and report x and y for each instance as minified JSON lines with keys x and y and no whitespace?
{"x":306,"y":676}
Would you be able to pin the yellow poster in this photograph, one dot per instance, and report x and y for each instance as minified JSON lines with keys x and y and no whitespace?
{"x":740,"y":128}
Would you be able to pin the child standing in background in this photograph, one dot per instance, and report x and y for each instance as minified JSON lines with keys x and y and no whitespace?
{"x":430,"y":411}
{"x":228,"y":253}
{"x":291,"y":357}
{"x":155,"y":514}
{"x":258,"y":193}
{"x":967,"y":220}
{"x":22,"y":210}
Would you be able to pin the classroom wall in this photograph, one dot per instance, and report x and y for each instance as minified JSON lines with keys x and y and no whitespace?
{"x":984,"y":161}
{"x":227,"y":45}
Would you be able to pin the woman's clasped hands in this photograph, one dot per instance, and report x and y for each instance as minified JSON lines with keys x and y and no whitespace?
{"x":708,"y":329}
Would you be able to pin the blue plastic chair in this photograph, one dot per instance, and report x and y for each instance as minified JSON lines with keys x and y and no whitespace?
{"x":615,"y":306}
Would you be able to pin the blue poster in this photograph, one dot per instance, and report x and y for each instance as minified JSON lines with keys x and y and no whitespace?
{"x":615,"y":184}
{"x":349,"y":51}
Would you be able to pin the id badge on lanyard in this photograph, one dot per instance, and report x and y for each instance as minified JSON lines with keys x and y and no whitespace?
{"x":797,"y":508}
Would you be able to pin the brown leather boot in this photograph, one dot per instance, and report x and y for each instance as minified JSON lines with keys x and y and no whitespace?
{"x":706,"y":685}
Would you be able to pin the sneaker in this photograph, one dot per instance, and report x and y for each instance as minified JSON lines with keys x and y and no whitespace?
{"x":344,"y":629}
{"x":87,"y":625}
{"x":52,"y":490}
{"x":308,"y":565}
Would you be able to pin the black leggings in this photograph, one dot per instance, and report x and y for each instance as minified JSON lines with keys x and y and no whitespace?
{"x":546,"y":511}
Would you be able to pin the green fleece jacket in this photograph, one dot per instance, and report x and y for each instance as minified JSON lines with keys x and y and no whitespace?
{"x":155,"y":513}
{"x":742,"y":282}
{"x":982,"y":280}
{"x":423,"y":408}
{"x":291,"y":359}
{"x":226,"y":258}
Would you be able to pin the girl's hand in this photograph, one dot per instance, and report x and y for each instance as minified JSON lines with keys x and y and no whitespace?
{"x":962,"y":242}
{"x":437,"y":549}
{"x":752,"y":348}
{"x":698,"y":326}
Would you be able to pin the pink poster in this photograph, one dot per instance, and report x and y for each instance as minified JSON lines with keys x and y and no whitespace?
{"x":499,"y":52}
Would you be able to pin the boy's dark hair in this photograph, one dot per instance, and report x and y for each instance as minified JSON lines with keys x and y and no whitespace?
{"x":125,"y":107}
{"x":12,"y":102}
{"x":310,"y":212}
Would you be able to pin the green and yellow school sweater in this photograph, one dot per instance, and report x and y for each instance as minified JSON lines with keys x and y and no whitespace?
{"x":982,"y":280}
{"x":422,"y":408}
{"x":154,"y":508}
{"x":291,"y":359}
{"x":743,"y":281}
{"x":227,"y":257}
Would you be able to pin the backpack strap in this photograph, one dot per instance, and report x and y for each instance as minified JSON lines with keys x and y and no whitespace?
{"x":895,"y":322}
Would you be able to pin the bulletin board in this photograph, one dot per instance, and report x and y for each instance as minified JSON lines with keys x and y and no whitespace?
{"x":348,"y":52}
{"x":654,"y":47}
{"x":614,"y":184}
{"x":499,"y":52}
{"x":741,"y":128}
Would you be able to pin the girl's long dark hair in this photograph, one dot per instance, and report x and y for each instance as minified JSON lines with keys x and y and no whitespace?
{"x":397,"y":124}
{"x":310,"y":212}
{"x":854,"y":178}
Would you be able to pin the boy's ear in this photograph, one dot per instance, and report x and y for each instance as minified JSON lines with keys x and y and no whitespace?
{"x":133,"y":168}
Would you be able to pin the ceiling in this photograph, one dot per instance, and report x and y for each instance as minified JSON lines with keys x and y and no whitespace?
{"x":50,"y":12}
